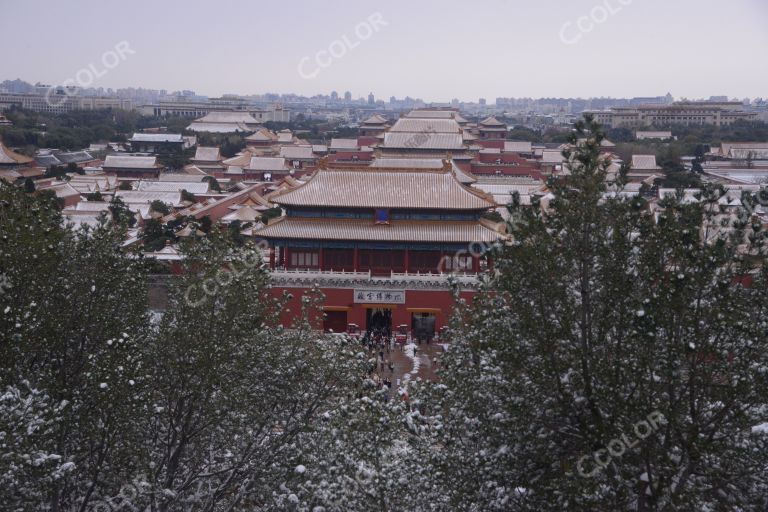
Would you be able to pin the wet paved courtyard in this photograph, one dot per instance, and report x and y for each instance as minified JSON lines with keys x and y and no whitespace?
{"x":407,"y":366}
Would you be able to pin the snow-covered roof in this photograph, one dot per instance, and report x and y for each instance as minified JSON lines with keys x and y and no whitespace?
{"x":517,"y":146}
{"x":207,"y":154}
{"x":228,"y":118}
{"x":131,"y":162}
{"x":297,"y":152}
{"x":267,"y":163}
{"x":384,"y":189}
{"x":244,"y":214}
{"x":342,"y":144}
{"x":135,"y":197}
{"x":201,"y":126}
{"x":425,"y":125}
{"x":552,"y":156}
{"x":423,"y":140}
{"x":644,"y":162}
{"x":193,"y":187}
{"x":156,"y":137}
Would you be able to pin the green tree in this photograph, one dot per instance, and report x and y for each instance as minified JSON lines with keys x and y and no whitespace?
{"x":601,"y":317}
{"x":523,"y":133}
{"x":175,"y":160}
{"x":67,"y":350}
{"x":188,"y":196}
{"x":234,"y":228}
{"x":696,"y":167}
{"x":493,"y":216}
{"x":159,"y":207}
{"x":121,"y":214}
{"x":73,"y":168}
{"x":271,"y":213}
{"x":621,"y":135}
{"x":209,"y":407}
{"x":236,"y":400}
{"x":155,"y":235}
{"x":55,"y":171}
{"x":677,"y":176}
{"x":214,"y":184}
{"x":49,"y":196}
{"x":205,"y":224}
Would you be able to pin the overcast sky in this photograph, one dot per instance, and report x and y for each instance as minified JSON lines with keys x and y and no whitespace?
{"x":433,"y":49}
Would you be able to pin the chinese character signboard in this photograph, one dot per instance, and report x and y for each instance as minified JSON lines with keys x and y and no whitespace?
{"x":379,"y":296}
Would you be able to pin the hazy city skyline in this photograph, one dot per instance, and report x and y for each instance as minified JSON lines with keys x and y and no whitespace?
{"x":578,"y":48}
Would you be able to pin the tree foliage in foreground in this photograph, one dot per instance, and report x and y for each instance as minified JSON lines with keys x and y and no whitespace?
{"x":600,"y":317}
{"x":211,"y":407}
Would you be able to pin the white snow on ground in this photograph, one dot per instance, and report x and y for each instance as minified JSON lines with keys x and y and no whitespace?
{"x":760,"y":429}
{"x":409,"y":351}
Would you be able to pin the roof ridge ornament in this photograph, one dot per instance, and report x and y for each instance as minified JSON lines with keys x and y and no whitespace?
{"x":447,"y":163}
{"x":322,"y":163}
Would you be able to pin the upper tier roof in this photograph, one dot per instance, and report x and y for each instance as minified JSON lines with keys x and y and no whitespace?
{"x":421,"y":163}
{"x":376,"y":119}
{"x":492,"y":121}
{"x":421,"y":189}
{"x":423,"y":140}
{"x":433,"y":114}
{"x":426,"y":125}
{"x":262,"y":135}
{"x":228,"y":117}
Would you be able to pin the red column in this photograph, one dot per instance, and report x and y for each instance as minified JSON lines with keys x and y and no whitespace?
{"x":287,"y":256}
{"x":356,"y":259}
{"x":406,"y":262}
{"x":320,"y":259}
{"x":272,"y":258}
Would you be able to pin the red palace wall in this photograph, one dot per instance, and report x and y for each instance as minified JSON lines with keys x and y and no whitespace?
{"x":437,"y":302}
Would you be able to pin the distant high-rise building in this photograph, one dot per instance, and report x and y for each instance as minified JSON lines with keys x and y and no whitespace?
{"x":347,"y":96}
{"x":371,"y":99}
{"x":481,"y":101}
{"x":455,"y":102}
{"x":334,"y":95}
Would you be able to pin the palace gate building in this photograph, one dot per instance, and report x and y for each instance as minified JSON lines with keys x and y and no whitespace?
{"x":381,"y":244}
